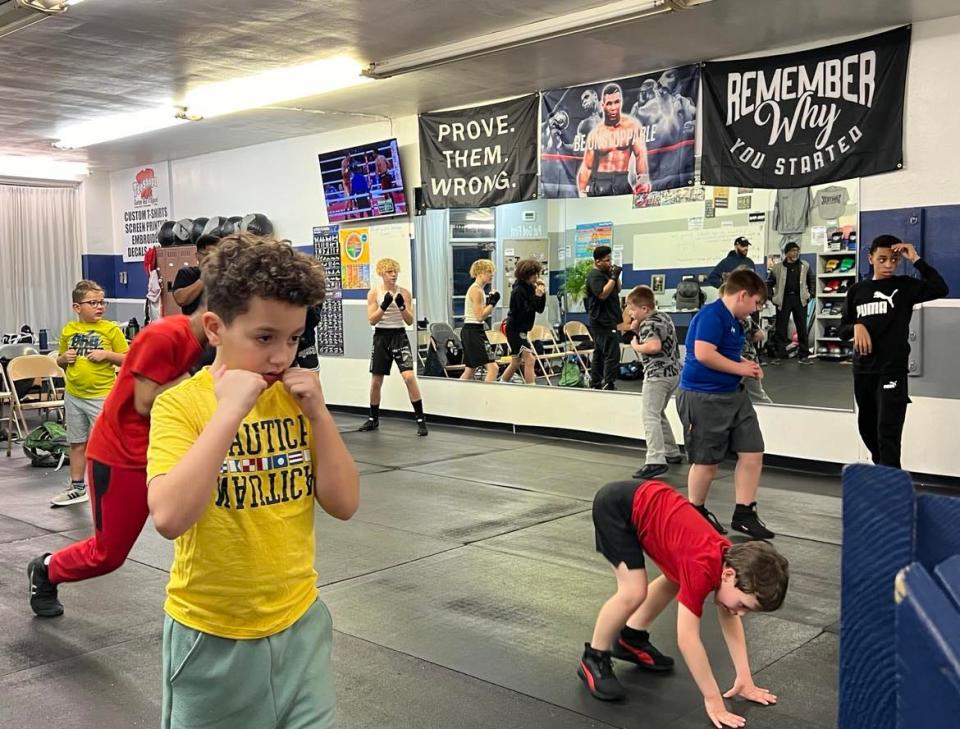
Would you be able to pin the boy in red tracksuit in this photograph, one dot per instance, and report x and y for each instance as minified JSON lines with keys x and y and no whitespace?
{"x":160,"y":357}
{"x":630,"y":519}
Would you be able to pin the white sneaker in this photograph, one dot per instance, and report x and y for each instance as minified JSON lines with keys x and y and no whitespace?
{"x":71,"y":496}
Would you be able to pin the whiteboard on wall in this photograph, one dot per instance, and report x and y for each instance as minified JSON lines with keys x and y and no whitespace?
{"x":391,"y":240}
{"x":696,"y":248}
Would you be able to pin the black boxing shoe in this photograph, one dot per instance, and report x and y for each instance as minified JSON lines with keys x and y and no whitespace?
{"x":371,"y":424}
{"x":596,"y":672}
{"x":635,"y":647}
{"x":710,"y":517}
{"x":421,"y":427}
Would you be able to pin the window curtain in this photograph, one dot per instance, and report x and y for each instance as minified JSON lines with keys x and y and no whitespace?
{"x":40,"y":252}
{"x":433,"y":266}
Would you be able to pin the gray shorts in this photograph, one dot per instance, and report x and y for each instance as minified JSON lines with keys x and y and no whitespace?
{"x":81,"y":415}
{"x":718,"y":423}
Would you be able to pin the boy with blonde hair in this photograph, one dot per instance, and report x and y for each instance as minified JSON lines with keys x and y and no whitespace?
{"x":656,"y":343}
{"x":477,"y":308}
{"x":90,"y":351}
{"x":390,"y":312}
{"x":239,"y":455}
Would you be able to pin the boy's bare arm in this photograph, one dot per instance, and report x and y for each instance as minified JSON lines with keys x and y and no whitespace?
{"x":708,"y":355}
{"x":374,"y":312}
{"x":178,"y":498}
{"x":407,"y":311}
{"x":651,"y":346}
{"x":695,"y":656}
{"x":732,"y":627}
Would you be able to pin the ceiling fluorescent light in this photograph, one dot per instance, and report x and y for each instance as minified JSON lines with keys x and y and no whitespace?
{"x":18,"y":14}
{"x":272,"y":87}
{"x":604,"y":16}
{"x":41,"y":168}
{"x":117,"y":126}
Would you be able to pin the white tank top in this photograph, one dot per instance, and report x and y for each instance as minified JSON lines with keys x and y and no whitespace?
{"x":392,"y":317}
{"x":468,"y":312}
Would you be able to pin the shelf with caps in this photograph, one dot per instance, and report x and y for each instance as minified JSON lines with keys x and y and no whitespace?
{"x":845,"y":274}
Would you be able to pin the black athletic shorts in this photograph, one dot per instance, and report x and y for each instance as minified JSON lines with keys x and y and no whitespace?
{"x":518,"y":341}
{"x":477,"y":351}
{"x":718,"y":423}
{"x":389,"y":346}
{"x":609,"y":183}
{"x":616,"y":536}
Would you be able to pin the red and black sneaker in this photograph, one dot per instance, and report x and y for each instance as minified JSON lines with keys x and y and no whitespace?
{"x":596,"y":672}
{"x":640,"y":651}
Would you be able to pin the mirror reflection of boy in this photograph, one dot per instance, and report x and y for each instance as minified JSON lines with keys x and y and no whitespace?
{"x":632,"y":521}
{"x":527,"y":299}
{"x":477,"y":307}
{"x":717,"y":415}
{"x":656,"y":343}
{"x":876,"y":315}
{"x":389,"y":311}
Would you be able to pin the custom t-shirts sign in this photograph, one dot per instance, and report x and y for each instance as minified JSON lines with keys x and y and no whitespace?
{"x":806,"y":118}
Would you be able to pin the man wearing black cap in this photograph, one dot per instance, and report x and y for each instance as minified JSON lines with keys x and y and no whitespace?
{"x":737,"y":258}
{"x":793,"y":284}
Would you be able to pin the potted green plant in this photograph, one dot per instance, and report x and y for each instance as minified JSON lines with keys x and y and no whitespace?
{"x":575,"y":284}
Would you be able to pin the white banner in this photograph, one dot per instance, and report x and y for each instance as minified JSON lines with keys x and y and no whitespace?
{"x":141,"y":202}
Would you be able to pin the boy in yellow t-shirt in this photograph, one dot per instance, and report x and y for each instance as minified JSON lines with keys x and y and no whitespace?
{"x":90,"y":351}
{"x":238,"y":454}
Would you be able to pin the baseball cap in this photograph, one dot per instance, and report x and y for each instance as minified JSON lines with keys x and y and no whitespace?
{"x":741,"y":241}
{"x":790,"y":246}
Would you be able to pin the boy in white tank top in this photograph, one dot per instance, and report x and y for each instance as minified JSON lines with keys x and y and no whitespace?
{"x":389,"y":311}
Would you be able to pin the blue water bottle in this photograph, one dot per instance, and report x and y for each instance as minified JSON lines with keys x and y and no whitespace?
{"x":43,"y":339}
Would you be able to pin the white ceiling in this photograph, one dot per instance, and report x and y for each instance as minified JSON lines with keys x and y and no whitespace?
{"x":108,"y":56}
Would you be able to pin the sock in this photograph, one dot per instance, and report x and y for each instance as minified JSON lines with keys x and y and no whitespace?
{"x":634,"y":636}
{"x":78,"y":484}
{"x":374,"y":412}
{"x":46,"y":560}
{"x":418,"y":409}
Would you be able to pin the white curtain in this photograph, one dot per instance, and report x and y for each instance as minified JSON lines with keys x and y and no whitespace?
{"x":40,"y":250}
{"x":433,"y":266}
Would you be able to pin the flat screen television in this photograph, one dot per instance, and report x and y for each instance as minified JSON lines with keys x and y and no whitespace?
{"x":363,"y":181}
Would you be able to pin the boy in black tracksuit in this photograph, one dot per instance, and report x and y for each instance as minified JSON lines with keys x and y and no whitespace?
{"x":527,"y":299}
{"x":876,"y":315}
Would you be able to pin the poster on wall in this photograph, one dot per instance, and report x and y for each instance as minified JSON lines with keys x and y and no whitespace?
{"x":590,"y":235}
{"x":326,"y":249}
{"x":480,"y":156}
{"x":141,"y":195}
{"x":355,"y":258}
{"x":630,"y":135}
{"x":807,"y":118}
{"x":677,"y":196}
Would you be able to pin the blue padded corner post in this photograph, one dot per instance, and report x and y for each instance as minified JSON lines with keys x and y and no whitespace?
{"x":948,"y":573}
{"x":878,"y":520}
{"x":928,"y":653}
{"x":938,"y":529}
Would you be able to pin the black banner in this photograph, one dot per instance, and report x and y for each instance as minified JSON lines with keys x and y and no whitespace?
{"x":478,"y":157}
{"x":806,"y":118}
{"x":619,"y":137}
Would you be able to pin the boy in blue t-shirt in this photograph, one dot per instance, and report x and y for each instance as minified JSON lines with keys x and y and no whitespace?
{"x":714,"y":406}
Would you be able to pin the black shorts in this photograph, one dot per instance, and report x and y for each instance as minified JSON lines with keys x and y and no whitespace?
{"x":477,"y":351}
{"x":718,"y":423}
{"x":609,"y":183}
{"x":518,"y":341}
{"x":616,"y":536}
{"x":389,"y":346}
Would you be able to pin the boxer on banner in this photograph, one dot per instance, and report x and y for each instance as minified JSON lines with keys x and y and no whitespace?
{"x":606,"y":162}
{"x":590,"y":104}
{"x":667,"y":120}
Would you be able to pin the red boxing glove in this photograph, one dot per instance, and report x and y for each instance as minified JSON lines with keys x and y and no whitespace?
{"x":642,"y":188}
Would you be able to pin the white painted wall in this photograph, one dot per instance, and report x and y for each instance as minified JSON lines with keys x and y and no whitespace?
{"x":96,"y":215}
{"x":282,"y":180}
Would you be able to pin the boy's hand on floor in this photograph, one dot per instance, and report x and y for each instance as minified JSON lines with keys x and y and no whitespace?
{"x":719,"y":716}
{"x":237,"y":390}
{"x":304,"y":385}
{"x":751,"y":692}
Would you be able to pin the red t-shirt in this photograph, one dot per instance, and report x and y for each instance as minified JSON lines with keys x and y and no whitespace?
{"x":683,"y":544}
{"x":162,"y":352}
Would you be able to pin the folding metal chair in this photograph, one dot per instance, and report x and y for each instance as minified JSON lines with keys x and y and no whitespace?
{"x":31,"y":367}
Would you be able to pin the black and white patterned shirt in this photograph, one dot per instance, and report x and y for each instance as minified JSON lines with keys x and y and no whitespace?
{"x":666,"y":362}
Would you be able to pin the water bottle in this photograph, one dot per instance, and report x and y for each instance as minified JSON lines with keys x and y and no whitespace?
{"x":44,"y":336}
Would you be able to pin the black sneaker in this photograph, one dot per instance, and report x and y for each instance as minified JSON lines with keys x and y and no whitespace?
{"x":710,"y":517}
{"x":421,"y":427}
{"x":642,"y":653}
{"x":43,"y":593}
{"x":596,"y":672}
{"x":651,"y":470}
{"x":746,"y":520}
{"x":805,"y":361}
{"x":371,"y":424}
{"x":674,"y":460}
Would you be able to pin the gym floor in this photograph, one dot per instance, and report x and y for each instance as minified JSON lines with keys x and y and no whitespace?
{"x":462,"y":593}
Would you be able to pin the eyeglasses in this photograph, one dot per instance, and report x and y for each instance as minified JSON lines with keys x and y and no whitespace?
{"x":96,"y":304}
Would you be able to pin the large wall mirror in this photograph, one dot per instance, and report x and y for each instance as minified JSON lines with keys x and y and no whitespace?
{"x":665,"y":241}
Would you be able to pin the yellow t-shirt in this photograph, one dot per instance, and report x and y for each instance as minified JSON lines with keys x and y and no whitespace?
{"x":86,"y":379}
{"x":246,"y":568}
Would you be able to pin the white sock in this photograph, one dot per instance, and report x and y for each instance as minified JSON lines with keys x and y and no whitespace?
{"x":46,"y":560}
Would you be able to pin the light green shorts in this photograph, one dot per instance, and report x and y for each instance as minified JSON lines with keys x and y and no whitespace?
{"x":284,"y":681}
